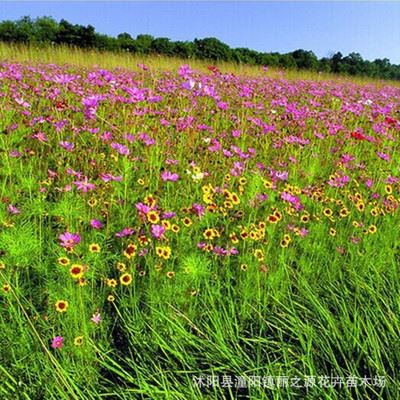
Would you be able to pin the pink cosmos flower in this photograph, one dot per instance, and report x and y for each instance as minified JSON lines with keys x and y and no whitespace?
{"x":169,"y":176}
{"x":110,"y":177}
{"x":84,"y":185}
{"x":40,"y":136}
{"x":13,"y":210}
{"x":69,"y":240}
{"x":383,"y":156}
{"x":96,"y":224}
{"x":57,"y":342}
{"x":369,"y":182}
{"x":142,"y":208}
{"x":168,"y":215}
{"x":15,"y":153}
{"x":198,"y":209}
{"x":146,"y":139}
{"x":96,"y":318}
{"x":125,"y":232}
{"x":123,"y":150}
{"x":67,"y":145}
{"x":157,"y":231}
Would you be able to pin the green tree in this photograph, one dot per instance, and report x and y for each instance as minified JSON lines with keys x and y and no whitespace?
{"x":162,"y":46}
{"x":213,"y":49}
{"x":305,"y":59}
{"x":126,"y":42}
{"x":45,"y":29}
{"x":184,"y":49}
{"x":143,"y":43}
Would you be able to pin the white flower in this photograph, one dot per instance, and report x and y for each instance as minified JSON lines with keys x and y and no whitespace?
{"x":198,"y":177}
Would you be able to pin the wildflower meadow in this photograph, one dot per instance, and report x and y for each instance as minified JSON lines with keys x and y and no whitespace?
{"x":197,"y":232}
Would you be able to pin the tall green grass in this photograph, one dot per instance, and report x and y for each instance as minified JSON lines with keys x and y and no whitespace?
{"x":313,"y":312}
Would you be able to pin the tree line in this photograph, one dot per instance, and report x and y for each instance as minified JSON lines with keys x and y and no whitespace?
{"x":46,"y":30}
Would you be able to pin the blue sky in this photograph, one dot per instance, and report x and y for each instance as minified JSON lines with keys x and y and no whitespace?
{"x":370,"y":28}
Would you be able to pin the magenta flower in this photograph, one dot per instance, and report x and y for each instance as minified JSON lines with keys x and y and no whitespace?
{"x":123,"y":150}
{"x":40,"y":136}
{"x":125,"y":232}
{"x":292,"y":200}
{"x":96,"y":224}
{"x":15,"y":153}
{"x":96,"y":318}
{"x":184,"y":70}
{"x":169,"y":176}
{"x":69,"y":240}
{"x":110,"y":177}
{"x":222,"y":105}
{"x":168,"y":215}
{"x":146,"y":139}
{"x":143,"y":252}
{"x":369,"y":182}
{"x":157,"y":231}
{"x":383,"y":156}
{"x":142,"y":208}
{"x":198,"y":209}
{"x":57,"y":342}
{"x":13,"y":210}
{"x":303,"y":232}
{"x":67,"y":145}
{"x":84,"y":185}
{"x":91,"y":104}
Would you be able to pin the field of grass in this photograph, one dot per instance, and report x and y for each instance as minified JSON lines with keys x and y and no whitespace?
{"x":175,"y":230}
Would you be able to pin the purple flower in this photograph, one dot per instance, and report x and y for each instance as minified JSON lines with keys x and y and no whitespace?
{"x":15,"y":153}
{"x":169,"y":176}
{"x":222,"y":105}
{"x":143,"y":252}
{"x":144,"y":67}
{"x":227,"y":153}
{"x":91,"y":103}
{"x":168,"y":215}
{"x":383,"y":156}
{"x":198,"y":209}
{"x":184,"y":70}
{"x":142,"y":208}
{"x":123,"y":150}
{"x":57,"y":342}
{"x":96,"y":318}
{"x":157,"y":231}
{"x":96,"y":224}
{"x":84,"y":185}
{"x":369,"y":182}
{"x":146,"y":139}
{"x":219,"y":251}
{"x":110,"y":177}
{"x":67,"y":145}
{"x":236,"y":133}
{"x":281,"y":175}
{"x":292,"y":200}
{"x":13,"y":210}
{"x":233,"y":251}
{"x":40,"y":136}
{"x":215,"y":146}
{"x":261,"y":197}
{"x":69,"y":240}
{"x":303,"y":232}
{"x":125,"y":232}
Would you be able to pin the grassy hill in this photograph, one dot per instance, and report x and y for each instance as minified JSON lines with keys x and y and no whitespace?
{"x":174,"y":231}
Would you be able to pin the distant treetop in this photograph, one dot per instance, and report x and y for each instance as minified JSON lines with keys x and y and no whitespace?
{"x":47,"y":30}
